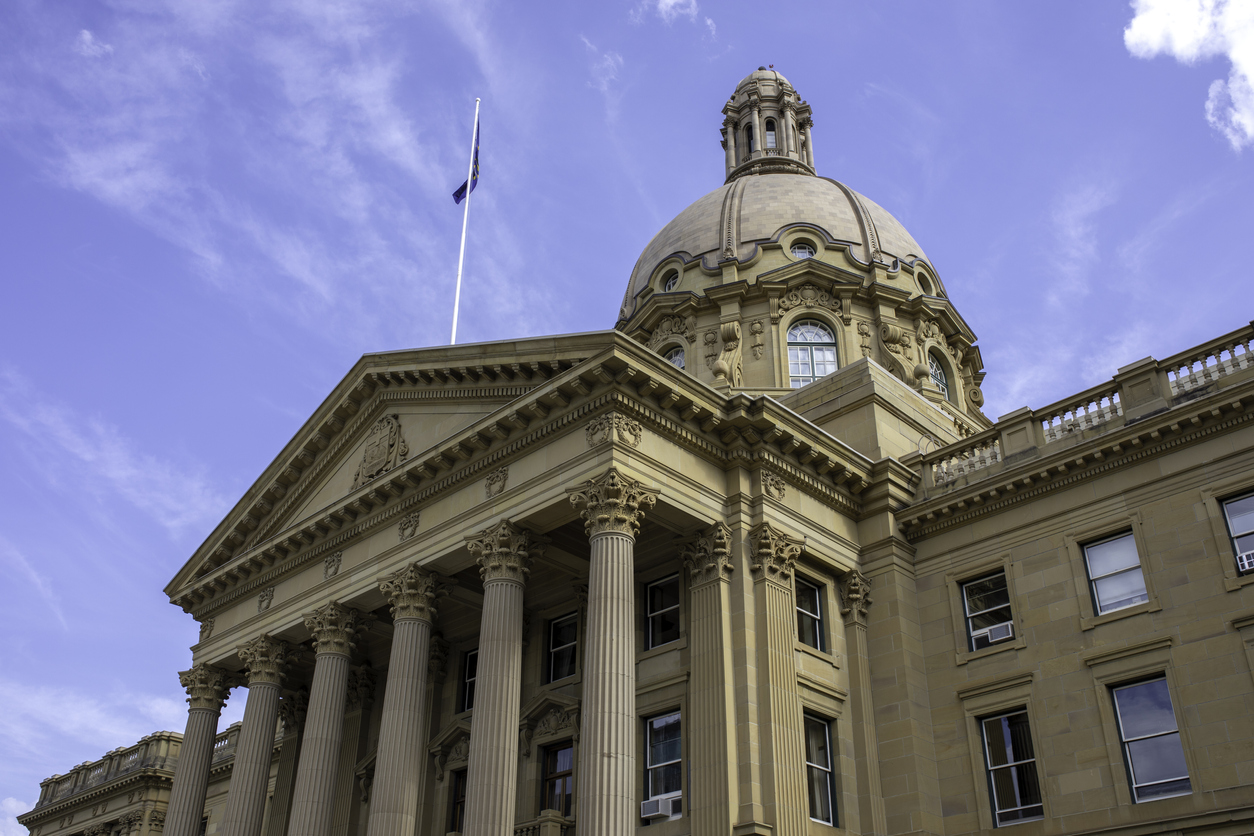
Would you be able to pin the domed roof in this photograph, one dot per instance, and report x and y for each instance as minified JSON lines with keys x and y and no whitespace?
{"x":762,"y":74}
{"x":734,"y":218}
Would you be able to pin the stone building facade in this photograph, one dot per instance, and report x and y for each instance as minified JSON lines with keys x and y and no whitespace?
{"x":752,"y":562}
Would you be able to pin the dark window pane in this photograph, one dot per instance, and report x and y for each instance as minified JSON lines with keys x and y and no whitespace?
{"x":664,"y":628}
{"x":1145,"y":709}
{"x":820,"y":795}
{"x":564,"y":632}
{"x":808,"y":630}
{"x":563,"y":663}
{"x":664,"y":595}
{"x":987,"y":593}
{"x":1180,"y":787}
{"x":1156,"y":759}
{"x":988,"y":619}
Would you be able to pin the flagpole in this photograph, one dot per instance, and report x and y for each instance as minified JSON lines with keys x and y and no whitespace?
{"x":461,"y":254}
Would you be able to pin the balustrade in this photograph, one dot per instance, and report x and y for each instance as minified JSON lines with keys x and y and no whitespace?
{"x":976,"y":453}
{"x":550,"y":823}
{"x":1209,"y":363}
{"x":1085,"y":411}
{"x":158,"y":750}
{"x":224,"y":743}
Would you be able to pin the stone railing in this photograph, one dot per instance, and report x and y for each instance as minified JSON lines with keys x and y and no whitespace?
{"x":964,"y":458}
{"x":549,"y":823}
{"x":774,"y":152}
{"x":224,"y":743}
{"x":1085,"y":411}
{"x":156,"y":751}
{"x":1198,"y":368}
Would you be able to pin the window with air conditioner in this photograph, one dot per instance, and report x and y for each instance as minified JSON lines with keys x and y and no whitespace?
{"x":1239,"y":513}
{"x":663,"y":771}
{"x":987,"y":605}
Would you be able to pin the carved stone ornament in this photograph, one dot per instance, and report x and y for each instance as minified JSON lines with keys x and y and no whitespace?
{"x":96,"y":830}
{"x":385,"y":449}
{"x":292,"y":708}
{"x":206,"y":629}
{"x":774,"y":553}
{"x":361,"y":684}
{"x":206,"y":686}
{"x":708,"y":556}
{"x":673,"y":326}
{"x":613,"y":426}
{"x":437,"y":658}
{"x":756,"y":329}
{"x":131,"y":820}
{"x":156,"y":820}
{"x":413,"y":593}
{"x":809,"y":296}
{"x":711,"y":348}
{"x":864,"y":333}
{"x":265,"y":658}
{"x":855,"y":597}
{"x":265,"y":599}
{"x":454,"y":757}
{"x":729,"y":366}
{"x":774,"y":486}
{"x":408,"y":526}
{"x":504,"y":552}
{"x":612,"y":503}
{"x":556,"y":721}
{"x":335,"y":627}
{"x":494,"y":484}
{"x":331,"y":566}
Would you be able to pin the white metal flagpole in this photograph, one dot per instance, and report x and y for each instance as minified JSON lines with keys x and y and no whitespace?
{"x":461,"y":255}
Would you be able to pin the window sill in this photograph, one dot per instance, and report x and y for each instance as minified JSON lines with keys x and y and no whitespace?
{"x":1089,"y":622}
{"x":962,"y":657}
{"x":1235,"y":582}
{"x":821,"y":655}
{"x":679,"y":644}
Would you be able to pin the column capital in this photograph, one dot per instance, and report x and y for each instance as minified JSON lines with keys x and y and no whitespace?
{"x":335,"y":627}
{"x":437,"y":658}
{"x":292,"y":710}
{"x":207,"y":686}
{"x":612,"y":503}
{"x":361,"y":685}
{"x":708,"y":556}
{"x":413,"y":593}
{"x":774,"y":552}
{"x":855,"y":597}
{"x":266,"y":658}
{"x":504,"y":552}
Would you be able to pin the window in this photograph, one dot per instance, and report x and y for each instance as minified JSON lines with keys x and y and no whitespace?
{"x":1115,"y":573}
{"x":559,"y":771}
{"x":811,"y":352}
{"x":1011,"y":765}
{"x":1240,"y":514}
{"x":671,"y":281}
{"x":802,"y":250}
{"x":820,"y":778}
{"x":675,"y":357}
{"x":937,"y":370}
{"x":563,"y":633}
{"x":457,"y":803}
{"x":749,"y":138}
{"x":1151,"y":741}
{"x":770,"y":133}
{"x":662,"y":598}
{"x":809,"y":614}
{"x":987,"y":605}
{"x":470,"y":668}
{"x":663,"y":772}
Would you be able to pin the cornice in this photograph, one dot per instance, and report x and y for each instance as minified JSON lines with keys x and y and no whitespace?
{"x":147,"y":775}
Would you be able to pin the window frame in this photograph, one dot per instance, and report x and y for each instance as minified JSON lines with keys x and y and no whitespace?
{"x":769,"y":130}
{"x":1124,"y":741}
{"x":819,"y":619}
{"x":550,"y":650}
{"x":568,"y":775}
{"x":457,"y":805}
{"x":467,"y":700}
{"x":968,"y":616}
{"x":1075,"y":541}
{"x":669,"y":356}
{"x":1233,"y":534}
{"x":649,"y":614}
{"x":1139,"y":566}
{"x":650,"y":766}
{"x":790,"y":344}
{"x":935,"y":366}
{"x":989,"y":769}
{"x":670,"y":280}
{"x":810,"y":719}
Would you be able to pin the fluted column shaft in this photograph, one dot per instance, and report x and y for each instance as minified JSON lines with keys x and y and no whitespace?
{"x":809,"y":145}
{"x":207,"y":687}
{"x":401,"y":752}
{"x":759,"y":138}
{"x":731,"y":144}
{"x":313,"y":799}
{"x":250,"y":776}
{"x":292,"y":710}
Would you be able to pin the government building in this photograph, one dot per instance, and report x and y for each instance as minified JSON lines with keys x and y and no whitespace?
{"x":751,"y":563}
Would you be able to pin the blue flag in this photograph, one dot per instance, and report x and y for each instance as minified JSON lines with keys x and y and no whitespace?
{"x":460,"y":194}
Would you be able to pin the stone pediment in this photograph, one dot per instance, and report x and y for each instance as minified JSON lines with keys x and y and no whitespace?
{"x":546,"y":718}
{"x":450,"y":749}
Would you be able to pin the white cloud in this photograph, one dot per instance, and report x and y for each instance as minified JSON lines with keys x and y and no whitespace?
{"x":709,"y":24}
{"x":1192,"y":30}
{"x":1075,"y":250}
{"x":603,"y":66}
{"x":10,"y":809}
{"x":87,"y":45}
{"x":671,"y":9}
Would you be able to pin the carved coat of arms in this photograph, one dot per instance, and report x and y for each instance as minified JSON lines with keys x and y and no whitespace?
{"x":385,"y":449}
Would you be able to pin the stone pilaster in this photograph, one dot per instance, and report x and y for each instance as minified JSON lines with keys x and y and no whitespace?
{"x":855,"y":602}
{"x":504,"y":553}
{"x":207,"y":688}
{"x":265,"y":659}
{"x":413,"y":594}
{"x":612,"y":507}
{"x":773,"y":558}
{"x":712,"y":725}
{"x":292,"y":709}
{"x":334,"y":629}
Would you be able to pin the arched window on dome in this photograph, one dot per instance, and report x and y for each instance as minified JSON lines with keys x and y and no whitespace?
{"x":675,"y":357}
{"x":811,"y":352}
{"x":937,"y":371}
{"x":770,"y":133}
{"x":749,"y":138}
{"x":671,"y":281}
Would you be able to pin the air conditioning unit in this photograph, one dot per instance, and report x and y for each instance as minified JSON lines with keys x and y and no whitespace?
{"x":996,"y":633}
{"x":1245,"y":562}
{"x":661,"y":808}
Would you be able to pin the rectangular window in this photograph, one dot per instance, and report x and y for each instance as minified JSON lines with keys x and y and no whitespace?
{"x":563,"y":633}
{"x":1151,"y":741}
{"x":559,"y":772}
{"x":809,"y":614}
{"x":662,"y":599}
{"x":987,"y":605}
{"x":457,"y":803}
{"x":1115,"y":573}
{"x":663,"y":774}
{"x":470,"y":668}
{"x":1011,"y":764}
{"x":820,"y":777}
{"x":1240,"y":515}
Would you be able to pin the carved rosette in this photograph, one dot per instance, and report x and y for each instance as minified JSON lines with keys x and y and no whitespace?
{"x":361,"y":684}
{"x":335,"y":627}
{"x":612,"y":503}
{"x":774,"y":552}
{"x":708,"y":556}
{"x":265,"y":658}
{"x":207,"y":686}
{"x":505,"y":551}
{"x":413,"y":593}
{"x":855,"y":597}
{"x":613,"y":426}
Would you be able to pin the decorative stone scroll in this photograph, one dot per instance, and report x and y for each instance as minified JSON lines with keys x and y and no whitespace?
{"x":494,"y":484}
{"x":774,"y":486}
{"x":335,"y":627}
{"x":206,"y":686}
{"x":265,"y":599}
{"x":864,"y":335}
{"x":673,"y":326}
{"x":855,"y":597}
{"x":505,"y":552}
{"x":708,"y":556}
{"x":331,"y":566}
{"x":809,"y":296}
{"x":612,"y":503}
{"x":408,"y":526}
{"x":413,"y":593}
{"x":729,"y":365}
{"x":266,"y":659}
{"x":774,"y":553}
{"x":385,"y":449}
{"x":613,"y":426}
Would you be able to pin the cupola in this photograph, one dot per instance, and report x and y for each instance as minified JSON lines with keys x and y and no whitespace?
{"x":766,"y":128}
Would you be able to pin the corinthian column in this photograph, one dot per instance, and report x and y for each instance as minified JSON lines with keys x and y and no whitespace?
{"x":335,"y":629}
{"x":246,"y":799}
{"x":612,"y":507}
{"x":398,"y":765}
{"x":207,"y":688}
{"x":504,"y":554}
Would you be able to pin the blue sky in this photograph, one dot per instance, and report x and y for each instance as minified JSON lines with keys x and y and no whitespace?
{"x":210,"y":210}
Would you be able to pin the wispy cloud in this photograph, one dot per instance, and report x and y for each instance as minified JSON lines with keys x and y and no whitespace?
{"x":711,"y":28}
{"x":671,"y":9}
{"x":1075,"y":251}
{"x":12,"y":558}
{"x":10,"y":809}
{"x":1135,"y":251}
{"x":89,"y":47}
{"x":1192,"y":30}
{"x":602,"y":66}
